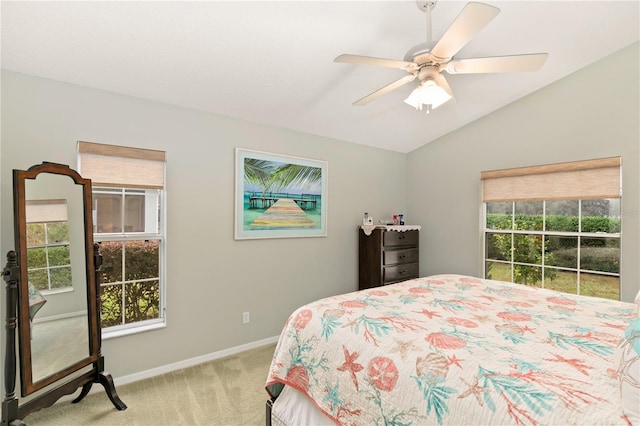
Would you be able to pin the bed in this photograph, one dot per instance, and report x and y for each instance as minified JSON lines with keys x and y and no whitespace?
{"x":454,"y":350}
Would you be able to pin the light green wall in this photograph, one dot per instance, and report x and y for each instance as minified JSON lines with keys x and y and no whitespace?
{"x":211,"y":278}
{"x":592,"y":113}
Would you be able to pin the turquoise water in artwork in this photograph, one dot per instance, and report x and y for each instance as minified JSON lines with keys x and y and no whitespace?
{"x":252,"y":214}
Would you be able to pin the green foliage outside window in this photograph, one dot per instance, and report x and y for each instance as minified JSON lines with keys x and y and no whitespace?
{"x":526,"y":249}
{"x":555,"y":223}
{"x":136,"y":297}
{"x":556,"y":241}
{"x":36,"y":257}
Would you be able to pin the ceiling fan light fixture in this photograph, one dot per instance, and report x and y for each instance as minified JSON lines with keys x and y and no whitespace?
{"x":428,"y":93}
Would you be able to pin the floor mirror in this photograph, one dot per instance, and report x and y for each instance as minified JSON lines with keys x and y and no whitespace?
{"x":52,"y":294}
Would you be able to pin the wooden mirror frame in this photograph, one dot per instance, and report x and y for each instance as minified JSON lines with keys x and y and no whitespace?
{"x":20,"y":177}
{"x":69,"y":379}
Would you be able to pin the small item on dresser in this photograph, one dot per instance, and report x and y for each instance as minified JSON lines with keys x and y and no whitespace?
{"x":395,"y":219}
{"x":366,"y":219}
{"x":400,"y":219}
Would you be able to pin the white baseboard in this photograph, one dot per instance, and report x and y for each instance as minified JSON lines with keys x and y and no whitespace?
{"x":193,"y":361}
{"x":60,"y":316}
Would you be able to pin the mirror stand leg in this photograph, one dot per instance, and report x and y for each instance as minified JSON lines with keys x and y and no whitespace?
{"x":10,"y":407}
{"x":107,"y":381}
{"x":10,"y":413}
{"x":85,"y":391}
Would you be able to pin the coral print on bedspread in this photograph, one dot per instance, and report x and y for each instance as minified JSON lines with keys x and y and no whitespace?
{"x":455,"y":350}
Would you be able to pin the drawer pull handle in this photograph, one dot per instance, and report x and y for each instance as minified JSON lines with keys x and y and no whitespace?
{"x":402,"y":256}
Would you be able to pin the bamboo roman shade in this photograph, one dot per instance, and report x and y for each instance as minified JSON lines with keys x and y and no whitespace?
{"x":589,"y":179}
{"x":39,"y":211}
{"x":110,"y":165}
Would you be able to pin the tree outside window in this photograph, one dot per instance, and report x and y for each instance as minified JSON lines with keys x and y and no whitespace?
{"x":567,"y":245}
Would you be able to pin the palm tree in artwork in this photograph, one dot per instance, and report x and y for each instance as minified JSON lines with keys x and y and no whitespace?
{"x":268,"y":175}
{"x":297,"y":175}
{"x":259,"y":172}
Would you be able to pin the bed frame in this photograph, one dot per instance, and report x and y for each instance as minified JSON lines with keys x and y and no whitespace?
{"x":268,"y":406}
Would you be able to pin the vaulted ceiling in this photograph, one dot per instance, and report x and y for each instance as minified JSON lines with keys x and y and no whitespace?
{"x":271,"y":62}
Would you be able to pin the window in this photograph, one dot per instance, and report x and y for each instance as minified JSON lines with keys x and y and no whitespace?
{"x":48,"y":254}
{"x":555,"y":227}
{"x":127,"y":207}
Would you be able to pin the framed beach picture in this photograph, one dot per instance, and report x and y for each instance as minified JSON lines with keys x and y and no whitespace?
{"x":279,"y":196}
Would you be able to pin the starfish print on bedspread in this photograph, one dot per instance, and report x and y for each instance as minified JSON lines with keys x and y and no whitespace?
{"x":474,"y":389}
{"x":351,"y":365}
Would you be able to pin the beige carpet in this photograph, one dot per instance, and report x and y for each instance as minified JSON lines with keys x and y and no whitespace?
{"x":56,"y":344}
{"x":227,"y":392}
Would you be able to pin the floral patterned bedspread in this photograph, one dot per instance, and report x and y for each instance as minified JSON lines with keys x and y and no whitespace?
{"x":454,"y":350}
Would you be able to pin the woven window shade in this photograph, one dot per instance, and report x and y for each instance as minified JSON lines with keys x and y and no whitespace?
{"x":110,"y":165}
{"x":589,"y":179}
{"x":39,"y":211}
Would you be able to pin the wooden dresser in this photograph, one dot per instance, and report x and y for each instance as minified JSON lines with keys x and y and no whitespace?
{"x":388,"y":255}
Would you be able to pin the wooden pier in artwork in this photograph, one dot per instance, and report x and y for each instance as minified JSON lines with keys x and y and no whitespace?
{"x":284,"y":213}
{"x":257,"y":202}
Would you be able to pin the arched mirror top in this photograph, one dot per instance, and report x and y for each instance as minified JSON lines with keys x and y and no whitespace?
{"x":56,"y":169}
{"x":54,"y":245}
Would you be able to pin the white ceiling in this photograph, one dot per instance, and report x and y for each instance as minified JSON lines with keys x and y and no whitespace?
{"x":271,"y":62}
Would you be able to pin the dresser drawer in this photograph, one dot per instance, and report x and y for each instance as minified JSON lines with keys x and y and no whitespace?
{"x":396,"y":238}
{"x":392,"y":257}
{"x":400,"y":272}
{"x":388,"y":255}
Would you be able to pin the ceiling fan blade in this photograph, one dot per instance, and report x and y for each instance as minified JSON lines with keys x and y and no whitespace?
{"x":442,"y":82}
{"x":379,"y":62}
{"x":473,"y":18}
{"x":386,"y":89}
{"x":513,"y":63}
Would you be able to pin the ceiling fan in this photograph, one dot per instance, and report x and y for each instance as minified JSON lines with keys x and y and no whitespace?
{"x":427,"y":61}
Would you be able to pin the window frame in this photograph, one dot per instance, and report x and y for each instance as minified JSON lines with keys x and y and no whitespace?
{"x":130,"y":168}
{"x":149,"y":324}
{"x":544,"y":233}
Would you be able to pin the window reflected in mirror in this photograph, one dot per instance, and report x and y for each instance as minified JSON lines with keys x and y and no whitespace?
{"x":48,"y":247}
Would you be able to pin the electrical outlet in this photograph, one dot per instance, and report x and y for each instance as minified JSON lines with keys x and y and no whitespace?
{"x":245,"y":318}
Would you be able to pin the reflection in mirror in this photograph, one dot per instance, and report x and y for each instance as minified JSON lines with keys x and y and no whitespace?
{"x":52,"y":297}
{"x":57,"y":283}
{"x":48,"y":251}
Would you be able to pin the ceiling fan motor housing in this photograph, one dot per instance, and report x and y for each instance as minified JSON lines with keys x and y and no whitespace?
{"x":420,"y":53}
{"x":428,"y":72}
